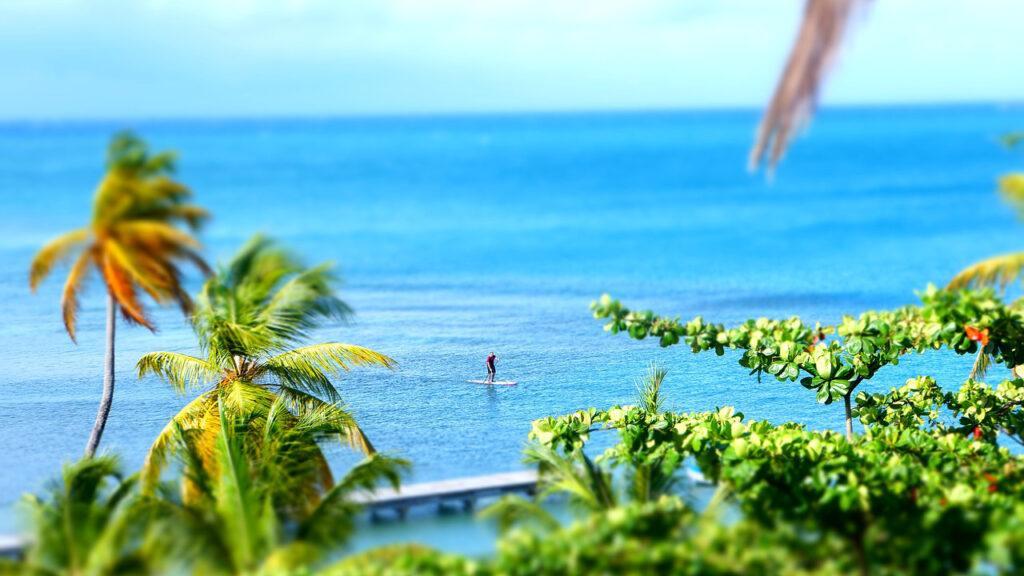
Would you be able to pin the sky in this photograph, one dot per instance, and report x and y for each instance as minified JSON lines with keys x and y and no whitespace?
{"x":109,"y":59}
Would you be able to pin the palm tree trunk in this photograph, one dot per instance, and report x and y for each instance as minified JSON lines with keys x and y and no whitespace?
{"x":108,"y":380}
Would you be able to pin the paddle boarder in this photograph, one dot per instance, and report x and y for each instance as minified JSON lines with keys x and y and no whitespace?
{"x":491,"y":370}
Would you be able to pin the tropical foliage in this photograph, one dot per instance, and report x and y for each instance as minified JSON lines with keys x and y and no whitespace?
{"x":564,"y":469}
{"x":241,"y":521}
{"x":90,"y":522}
{"x":896,"y":497}
{"x":252,"y":516}
{"x":833,"y":361}
{"x":927,"y":488}
{"x":133,"y":241}
{"x":248,"y":318}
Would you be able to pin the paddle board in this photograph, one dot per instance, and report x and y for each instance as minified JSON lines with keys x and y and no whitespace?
{"x":495,"y":383}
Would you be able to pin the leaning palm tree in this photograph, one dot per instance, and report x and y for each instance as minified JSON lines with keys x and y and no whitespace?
{"x":90,"y":522}
{"x":133,"y":241}
{"x":244,"y":516}
{"x":248,"y":317}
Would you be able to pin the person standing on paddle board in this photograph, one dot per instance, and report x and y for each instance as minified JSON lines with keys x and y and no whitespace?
{"x":491,"y":370}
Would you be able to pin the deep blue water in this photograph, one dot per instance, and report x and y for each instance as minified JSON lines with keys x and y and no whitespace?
{"x":462,"y":235}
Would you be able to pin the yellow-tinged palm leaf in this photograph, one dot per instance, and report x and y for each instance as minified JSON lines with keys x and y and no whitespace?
{"x":309,"y":367}
{"x":193,"y":215}
{"x":157,"y":231}
{"x":114,"y":198}
{"x":290,"y":558}
{"x":188,"y":418}
{"x":163,"y":188}
{"x":54,"y":252}
{"x":332,"y":417}
{"x":181,"y":371}
{"x":122,"y":288}
{"x":1011,"y":186}
{"x":72,"y":286}
{"x":137,"y":275}
{"x":999,"y":271}
{"x":981,"y":363}
{"x":157,"y":272}
{"x":244,"y":398}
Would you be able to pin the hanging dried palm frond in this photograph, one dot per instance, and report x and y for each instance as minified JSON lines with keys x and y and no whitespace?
{"x":817,"y":43}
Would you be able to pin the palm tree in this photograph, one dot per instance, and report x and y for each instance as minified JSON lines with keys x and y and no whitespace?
{"x":135,"y":244}
{"x":248,"y":317}
{"x":244,"y":517}
{"x":90,"y":523}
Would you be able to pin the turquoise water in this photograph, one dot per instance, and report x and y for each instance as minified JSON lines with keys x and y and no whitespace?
{"x":462,"y":235}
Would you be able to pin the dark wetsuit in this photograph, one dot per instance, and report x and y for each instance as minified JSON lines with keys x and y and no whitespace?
{"x":491,"y":370}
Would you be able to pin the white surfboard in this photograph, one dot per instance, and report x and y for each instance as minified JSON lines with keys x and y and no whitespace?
{"x":495,"y":383}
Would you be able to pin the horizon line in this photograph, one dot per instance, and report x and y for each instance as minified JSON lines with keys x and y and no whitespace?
{"x":509,"y":113}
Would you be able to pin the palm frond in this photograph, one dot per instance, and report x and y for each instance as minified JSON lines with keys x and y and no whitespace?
{"x":244,"y":399}
{"x":981,"y":364}
{"x":292,"y":558}
{"x":1011,"y":187}
{"x":160,"y":189}
{"x":135,"y":273}
{"x":513,"y":510}
{"x":301,"y":303}
{"x":309,"y":368}
{"x":126,"y":151}
{"x":120,"y":285}
{"x":257,"y":268}
{"x":189,"y":417}
{"x":54,"y":252}
{"x":999,"y":271}
{"x":71,"y":526}
{"x":237,"y":502}
{"x":575,"y":475}
{"x":181,"y":371}
{"x":331,"y":417}
{"x":160,"y":232}
{"x":331,"y":522}
{"x":649,"y":389}
{"x":72,"y":287}
{"x":821,"y":33}
{"x":194,"y":216}
{"x":1011,"y":140}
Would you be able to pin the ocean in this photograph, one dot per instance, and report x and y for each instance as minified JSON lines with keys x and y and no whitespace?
{"x":462,"y":235}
